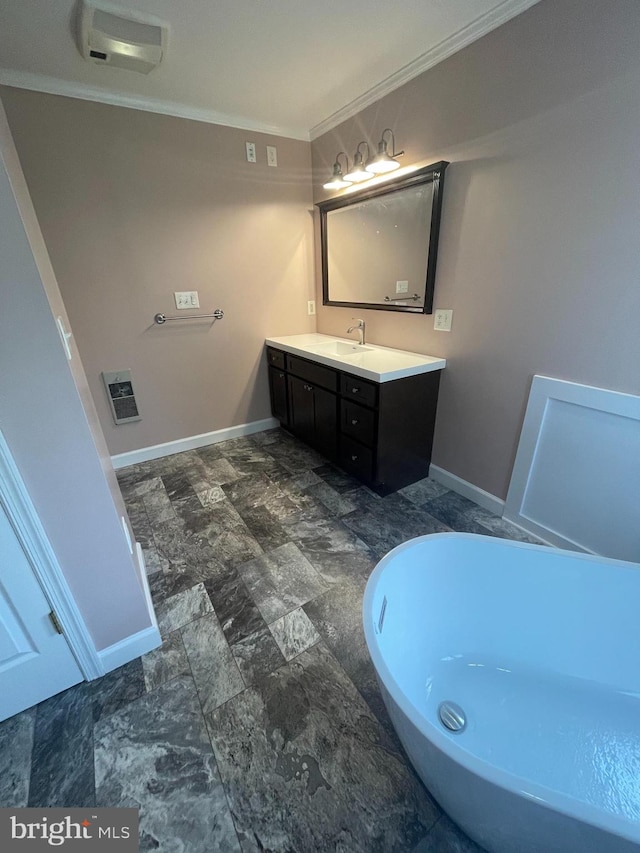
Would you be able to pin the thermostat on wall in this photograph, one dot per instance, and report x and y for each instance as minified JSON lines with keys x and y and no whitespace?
{"x":121,"y":397}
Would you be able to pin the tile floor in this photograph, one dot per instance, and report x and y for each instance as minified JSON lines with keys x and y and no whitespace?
{"x":258,"y":725}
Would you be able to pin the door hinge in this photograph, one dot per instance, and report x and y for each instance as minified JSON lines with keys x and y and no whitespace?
{"x":56,"y":624}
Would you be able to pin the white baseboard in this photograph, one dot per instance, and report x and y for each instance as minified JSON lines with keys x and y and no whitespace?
{"x":157,"y":451}
{"x":130,"y":648}
{"x":467,"y":490}
{"x":138,"y":644}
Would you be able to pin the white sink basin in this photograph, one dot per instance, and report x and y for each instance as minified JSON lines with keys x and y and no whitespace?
{"x":379,"y":364}
{"x":341,"y":348}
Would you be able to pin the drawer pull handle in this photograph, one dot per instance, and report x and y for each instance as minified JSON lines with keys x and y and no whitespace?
{"x":354,"y":390}
{"x":354,"y":421}
{"x":281,"y":375}
{"x":354,"y":457}
{"x":308,"y":387}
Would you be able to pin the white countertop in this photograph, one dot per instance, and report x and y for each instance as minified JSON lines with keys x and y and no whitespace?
{"x":379,"y":364}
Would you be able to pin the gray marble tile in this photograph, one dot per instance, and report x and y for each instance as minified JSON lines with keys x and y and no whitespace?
{"x":210,"y":495}
{"x":155,"y":754}
{"x":219,"y":471}
{"x":337,"y":616}
{"x":266,"y":437}
{"x":257,"y":490}
{"x":446,"y":837}
{"x":209,"y":453}
{"x":116,"y":689}
{"x":214,"y":668}
{"x":294,"y":633}
{"x":158,"y":506}
{"x":318,"y":751}
{"x":165,"y":663}
{"x":496,"y":526}
{"x":422,"y":491}
{"x":180,"y":609}
{"x":62,"y":772}
{"x":140,"y":523}
{"x":296,"y":484}
{"x":235,"y":608}
{"x":177,"y":486}
{"x":264,"y":527}
{"x":332,"y":548}
{"x":456,"y":512}
{"x":153,"y":561}
{"x":338,"y":504}
{"x":257,"y":655}
{"x":16,"y":744}
{"x":337,"y":478}
{"x":235,"y":547}
{"x":295,"y":457}
{"x":391,"y":521}
{"x":280,"y":581}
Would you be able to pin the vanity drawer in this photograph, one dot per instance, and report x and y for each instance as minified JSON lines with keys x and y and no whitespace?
{"x":316,"y":373}
{"x":358,"y":389}
{"x":356,"y":459}
{"x":275,"y":358}
{"x":358,"y":422}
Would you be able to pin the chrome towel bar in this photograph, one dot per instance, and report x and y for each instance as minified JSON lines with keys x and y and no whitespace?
{"x":413,"y":298}
{"x":218,"y":314}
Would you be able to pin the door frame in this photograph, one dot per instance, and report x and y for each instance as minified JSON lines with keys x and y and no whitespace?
{"x":24,"y":519}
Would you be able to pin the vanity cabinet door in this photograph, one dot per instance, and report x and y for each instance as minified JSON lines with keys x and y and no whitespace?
{"x":313,"y":415}
{"x":279,"y":395}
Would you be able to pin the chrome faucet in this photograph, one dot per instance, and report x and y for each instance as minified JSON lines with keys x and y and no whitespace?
{"x":360,"y":326}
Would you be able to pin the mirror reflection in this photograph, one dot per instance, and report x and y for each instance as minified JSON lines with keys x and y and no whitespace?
{"x":379,"y":245}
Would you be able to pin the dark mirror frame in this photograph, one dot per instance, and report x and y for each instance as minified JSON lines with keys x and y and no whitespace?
{"x":428,"y":174}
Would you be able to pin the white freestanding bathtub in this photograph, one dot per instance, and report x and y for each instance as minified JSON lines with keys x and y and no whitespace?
{"x":534,"y":654}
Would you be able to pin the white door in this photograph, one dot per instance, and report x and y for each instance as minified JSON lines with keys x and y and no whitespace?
{"x":35,"y":660}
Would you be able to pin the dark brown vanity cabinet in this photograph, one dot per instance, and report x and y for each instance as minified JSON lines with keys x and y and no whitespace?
{"x":381,"y":433}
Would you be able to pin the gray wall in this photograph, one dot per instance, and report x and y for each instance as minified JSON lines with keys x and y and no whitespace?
{"x":539,"y":249}
{"x":134,"y":206}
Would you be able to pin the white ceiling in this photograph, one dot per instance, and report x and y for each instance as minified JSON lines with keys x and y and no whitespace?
{"x":291,"y":67}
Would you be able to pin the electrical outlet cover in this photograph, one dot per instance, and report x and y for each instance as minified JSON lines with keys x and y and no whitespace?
{"x":186,"y":299}
{"x":442,"y":319}
{"x":402,"y":286}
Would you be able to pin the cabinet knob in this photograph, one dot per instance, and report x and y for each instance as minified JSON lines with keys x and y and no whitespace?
{"x":308,"y":387}
{"x":354,"y":390}
{"x":354,"y":457}
{"x":354,"y":421}
{"x":281,"y":375}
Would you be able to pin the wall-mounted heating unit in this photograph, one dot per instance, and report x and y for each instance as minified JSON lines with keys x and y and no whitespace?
{"x":121,"y":397}
{"x":108,"y":38}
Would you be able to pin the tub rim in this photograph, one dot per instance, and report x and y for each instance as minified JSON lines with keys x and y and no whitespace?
{"x":531,"y":790}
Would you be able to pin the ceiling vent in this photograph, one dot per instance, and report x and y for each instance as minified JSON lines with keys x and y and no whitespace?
{"x":107,"y":38}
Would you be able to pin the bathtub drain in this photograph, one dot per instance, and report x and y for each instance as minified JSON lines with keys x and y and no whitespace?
{"x":452,"y":716}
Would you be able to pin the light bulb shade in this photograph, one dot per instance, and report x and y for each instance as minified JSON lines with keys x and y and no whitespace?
{"x":382,"y":162}
{"x":337,"y":181}
{"x":358,"y":173}
{"x":380,"y":165}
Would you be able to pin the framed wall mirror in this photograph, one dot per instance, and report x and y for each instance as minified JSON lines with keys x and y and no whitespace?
{"x":380,"y":243}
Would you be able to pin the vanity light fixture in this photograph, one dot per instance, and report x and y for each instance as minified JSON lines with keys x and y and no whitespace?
{"x":358,"y":172}
{"x":338,"y":181}
{"x":383,"y":161}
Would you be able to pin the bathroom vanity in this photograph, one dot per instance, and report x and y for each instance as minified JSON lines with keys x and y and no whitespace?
{"x":370,"y":409}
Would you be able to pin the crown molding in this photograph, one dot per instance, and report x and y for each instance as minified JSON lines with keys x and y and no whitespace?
{"x":69,"y":89}
{"x":491,"y":20}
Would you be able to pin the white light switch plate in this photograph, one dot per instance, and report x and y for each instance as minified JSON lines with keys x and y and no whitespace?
{"x":187,"y":299}
{"x":442,"y":319}
{"x":272,"y":155}
{"x":402,"y":286}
